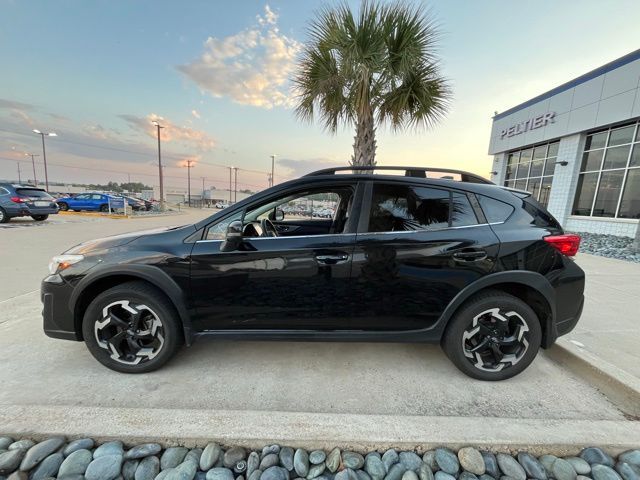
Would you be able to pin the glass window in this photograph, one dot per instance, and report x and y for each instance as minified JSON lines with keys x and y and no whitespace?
{"x":219,"y":230}
{"x":597,"y":140}
{"x":4,"y":191}
{"x":521,"y":184}
{"x":535,"y":169}
{"x":540,"y":152}
{"x":534,"y":186}
{"x":545,"y":190}
{"x":635,"y":156}
{"x":523,"y":170}
{"x":462,"y":213}
{"x":495,"y":210}
{"x":96,"y":196}
{"x":550,"y":166}
{"x":621,"y":135}
{"x":585,"y":193}
{"x":630,"y":204}
{"x":591,"y":160}
{"x":404,"y":208}
{"x":526,"y":155}
{"x":608,"y":194}
{"x":83,"y":196}
{"x":616,"y":157}
{"x":33,"y":193}
{"x":553,"y":149}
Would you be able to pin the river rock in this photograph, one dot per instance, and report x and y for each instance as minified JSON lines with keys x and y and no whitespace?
{"x":193,"y":456}
{"x":301,"y":462}
{"x":532,"y":466}
{"x":255,"y":475}
{"x":630,"y":456}
{"x":447,"y":461}
{"x":562,"y":470}
{"x":48,"y":467}
{"x":486,"y":477}
{"x":510,"y":467}
{"x":410,"y":474}
{"x":286,"y":457}
{"x":80,"y":444}
{"x":148,"y":468}
{"x":187,"y":469}
{"x":76,"y":463}
{"x":105,"y":467}
{"x":333,"y":460}
{"x":579,"y":465}
{"x":628,"y":471}
{"x":346,"y":474}
{"x":253,"y":462}
{"x":164,"y":474}
{"x":410,"y":460}
{"x":5,"y":442}
{"x":471,"y":460}
{"x":220,"y":473}
{"x":233,"y":456}
{"x":174,"y":456}
{"x":440,"y":475}
{"x":547,"y":462}
{"x":491,"y":464}
{"x":109,"y":448}
{"x":129,"y":469}
{"x":389,"y":458}
{"x":352,"y":460}
{"x":467,"y":476}
{"x":317,"y":456}
{"x":596,"y":456}
{"x":315,"y":470}
{"x":210,"y":456}
{"x":141,"y":451}
{"x":18,"y":475}
{"x":395,"y":472}
{"x":24,"y":444}
{"x":361,"y":474}
{"x":429,"y":458}
{"x":374,"y":467}
{"x":275,"y":473}
{"x":39,"y":452}
{"x":266,"y":450}
{"x":269,"y":460}
{"x":10,"y":460}
{"x":603,"y":472}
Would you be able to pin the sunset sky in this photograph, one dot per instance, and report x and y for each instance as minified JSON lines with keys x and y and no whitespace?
{"x":216,"y":74}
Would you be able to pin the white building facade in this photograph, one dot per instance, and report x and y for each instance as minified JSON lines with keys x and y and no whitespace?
{"x":576,"y":148}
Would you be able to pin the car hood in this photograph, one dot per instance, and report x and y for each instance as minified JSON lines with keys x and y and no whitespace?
{"x":117,"y":240}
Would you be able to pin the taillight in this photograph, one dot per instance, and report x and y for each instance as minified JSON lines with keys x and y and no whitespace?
{"x":566,"y":244}
{"x":19,"y":200}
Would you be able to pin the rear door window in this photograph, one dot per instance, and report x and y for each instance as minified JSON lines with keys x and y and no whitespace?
{"x":33,"y":193}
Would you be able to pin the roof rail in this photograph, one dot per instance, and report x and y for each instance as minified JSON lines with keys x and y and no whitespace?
{"x":418,"y":172}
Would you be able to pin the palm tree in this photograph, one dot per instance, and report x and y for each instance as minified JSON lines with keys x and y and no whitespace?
{"x":375,"y":68}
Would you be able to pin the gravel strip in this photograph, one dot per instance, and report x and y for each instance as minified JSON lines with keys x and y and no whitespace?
{"x":82,"y":459}
{"x":608,"y":246}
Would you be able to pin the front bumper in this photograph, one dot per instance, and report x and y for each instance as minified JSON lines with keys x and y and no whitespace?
{"x":58,"y":319}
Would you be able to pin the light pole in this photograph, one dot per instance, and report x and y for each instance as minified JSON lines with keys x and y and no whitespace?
{"x":189,"y":166}
{"x":44,"y":155}
{"x":19,"y":175}
{"x":33,"y":162}
{"x":160,"y":166}
{"x":235,"y":187}
{"x":230,"y":185}
{"x":203,"y":191}
{"x":273,"y":164}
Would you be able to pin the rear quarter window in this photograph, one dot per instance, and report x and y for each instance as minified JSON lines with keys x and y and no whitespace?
{"x":494,"y":210}
{"x":540,"y":217}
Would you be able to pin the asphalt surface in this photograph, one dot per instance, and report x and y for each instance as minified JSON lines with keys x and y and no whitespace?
{"x":320,"y":378}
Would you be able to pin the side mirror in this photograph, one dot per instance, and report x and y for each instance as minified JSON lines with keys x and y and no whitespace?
{"x":233,"y":237}
{"x":279,"y":216}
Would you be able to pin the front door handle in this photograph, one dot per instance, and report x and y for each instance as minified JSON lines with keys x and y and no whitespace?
{"x":332,"y":259}
{"x":470,"y":256}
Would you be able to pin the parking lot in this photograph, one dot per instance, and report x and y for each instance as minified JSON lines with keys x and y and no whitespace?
{"x":317,"y":378}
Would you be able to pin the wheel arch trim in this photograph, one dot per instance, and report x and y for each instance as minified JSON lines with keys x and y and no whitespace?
{"x":147,"y":273}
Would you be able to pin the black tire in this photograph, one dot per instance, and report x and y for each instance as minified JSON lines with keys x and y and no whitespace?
{"x":517,"y":339}
{"x":39,"y":218}
{"x":104,"y":208}
{"x":4,"y":218}
{"x":157,"y":308}
{"x":63,"y":206}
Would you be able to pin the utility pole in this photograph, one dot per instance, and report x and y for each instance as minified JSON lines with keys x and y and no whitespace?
{"x":189,"y":166}
{"x":230,"y":185}
{"x":235,"y":188}
{"x":269,"y":183}
{"x":44,"y":155}
{"x":33,"y":162}
{"x":273,"y":165}
{"x":202,"y":191}
{"x":160,"y":167}
{"x":19,"y":176}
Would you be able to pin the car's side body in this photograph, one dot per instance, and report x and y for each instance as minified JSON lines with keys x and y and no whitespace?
{"x":25,"y":200}
{"x":353,"y":285}
{"x":86,"y":201}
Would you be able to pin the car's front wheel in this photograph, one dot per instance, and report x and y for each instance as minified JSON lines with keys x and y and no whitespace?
{"x":132,"y":328}
{"x":39,"y":218}
{"x":104,"y":208}
{"x":63,"y":206}
{"x":494,"y":336}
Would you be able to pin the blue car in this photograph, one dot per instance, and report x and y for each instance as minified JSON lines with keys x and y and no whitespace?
{"x":25,"y":201}
{"x":95,"y":202}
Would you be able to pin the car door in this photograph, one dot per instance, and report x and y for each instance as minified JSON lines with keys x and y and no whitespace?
{"x":80,"y":202}
{"x":417,"y":246}
{"x":296,"y":282}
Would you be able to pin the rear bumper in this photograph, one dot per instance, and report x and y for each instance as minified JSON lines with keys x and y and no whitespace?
{"x":43,"y":211}
{"x":58,"y":321}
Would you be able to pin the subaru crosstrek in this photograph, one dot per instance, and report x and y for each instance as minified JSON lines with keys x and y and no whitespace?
{"x":484,"y":271}
{"x":25,"y":201}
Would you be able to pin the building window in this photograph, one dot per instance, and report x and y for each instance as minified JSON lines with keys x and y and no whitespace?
{"x":609,"y":182}
{"x":531,"y":169}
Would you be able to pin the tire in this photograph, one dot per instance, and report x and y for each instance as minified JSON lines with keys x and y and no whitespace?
{"x":160,"y":323}
{"x":63,"y":206}
{"x":490,"y":321}
{"x":4,"y":218}
{"x":39,"y":218}
{"x":104,"y":208}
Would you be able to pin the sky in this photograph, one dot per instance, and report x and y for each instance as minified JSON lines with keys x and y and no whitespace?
{"x":217,"y":75}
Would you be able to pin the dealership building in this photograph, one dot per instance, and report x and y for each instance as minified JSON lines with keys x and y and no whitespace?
{"x":576,"y":148}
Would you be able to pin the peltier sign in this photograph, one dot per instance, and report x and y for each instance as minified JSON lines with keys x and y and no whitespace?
{"x":531,"y":124}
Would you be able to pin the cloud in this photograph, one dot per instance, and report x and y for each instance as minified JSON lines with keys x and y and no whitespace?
{"x":297,"y":168}
{"x":195,"y":113}
{"x":170,"y":133}
{"x":251,"y":67}
{"x":14,"y":105}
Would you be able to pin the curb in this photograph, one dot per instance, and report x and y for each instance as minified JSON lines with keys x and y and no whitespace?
{"x":622,"y":388}
{"x":253,"y":429}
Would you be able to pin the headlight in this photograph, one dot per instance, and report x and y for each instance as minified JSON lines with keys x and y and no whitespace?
{"x":60,"y":262}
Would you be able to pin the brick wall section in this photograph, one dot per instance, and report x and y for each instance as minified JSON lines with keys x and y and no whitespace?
{"x":565,"y":179}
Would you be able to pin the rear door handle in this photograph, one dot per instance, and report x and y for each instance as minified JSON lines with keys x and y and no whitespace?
{"x":470,"y":256}
{"x":332,"y":259}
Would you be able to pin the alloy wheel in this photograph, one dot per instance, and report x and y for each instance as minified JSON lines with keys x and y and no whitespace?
{"x":496,"y":340}
{"x":132,"y":333}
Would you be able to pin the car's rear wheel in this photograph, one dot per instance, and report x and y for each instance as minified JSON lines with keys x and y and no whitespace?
{"x":493,"y":336}
{"x":104,"y":208}
{"x":63,"y":206}
{"x":132,"y":328}
{"x":4,"y":218}
{"x":39,"y":218}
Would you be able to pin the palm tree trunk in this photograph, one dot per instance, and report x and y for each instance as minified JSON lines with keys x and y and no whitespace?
{"x":364,"y":146}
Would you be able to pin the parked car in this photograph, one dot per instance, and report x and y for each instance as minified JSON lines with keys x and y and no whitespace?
{"x":90,"y":201}
{"x":136,"y":204}
{"x":482,"y":270}
{"x":25,"y":201}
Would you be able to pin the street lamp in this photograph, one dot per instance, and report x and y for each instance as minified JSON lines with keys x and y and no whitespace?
{"x":44,"y":154}
{"x":33,"y":162}
{"x":160,"y":167}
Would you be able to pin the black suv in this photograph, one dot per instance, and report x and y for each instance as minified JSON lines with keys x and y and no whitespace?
{"x":416,"y":255}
